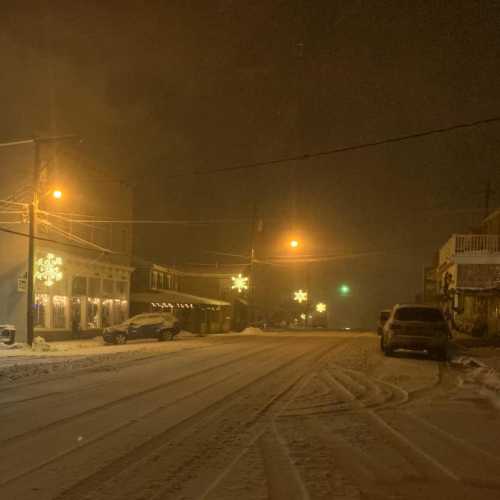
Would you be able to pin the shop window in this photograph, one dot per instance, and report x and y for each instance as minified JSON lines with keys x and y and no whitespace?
{"x":59,"y":311}
{"x":93,"y":306}
{"x":76,"y":314}
{"x":79,"y":286}
{"x":120,"y":310}
{"x":107,"y":313}
{"x":41,"y":312}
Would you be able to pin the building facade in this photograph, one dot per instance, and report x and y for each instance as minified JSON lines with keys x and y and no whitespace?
{"x":83,"y":244}
{"x":469,"y":278}
{"x":157,"y":288}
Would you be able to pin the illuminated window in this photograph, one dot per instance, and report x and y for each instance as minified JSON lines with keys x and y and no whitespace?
{"x":93,"y":307}
{"x":59,"y":311}
{"x":41,"y":315}
{"x":107,"y":312}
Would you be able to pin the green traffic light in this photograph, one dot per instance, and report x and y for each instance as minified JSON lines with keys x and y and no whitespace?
{"x":344,"y":289}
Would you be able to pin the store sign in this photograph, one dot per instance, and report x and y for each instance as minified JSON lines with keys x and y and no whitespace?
{"x":48,"y":269}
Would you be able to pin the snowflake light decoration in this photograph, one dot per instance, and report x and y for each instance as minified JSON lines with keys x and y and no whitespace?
{"x":48,"y":269}
{"x":240,"y":283}
{"x":320,"y":307}
{"x":300,"y":296}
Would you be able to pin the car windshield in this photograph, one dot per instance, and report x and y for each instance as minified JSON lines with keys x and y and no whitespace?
{"x":419,"y":314}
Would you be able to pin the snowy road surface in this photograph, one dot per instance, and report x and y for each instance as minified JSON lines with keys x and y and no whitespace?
{"x":275,"y":416}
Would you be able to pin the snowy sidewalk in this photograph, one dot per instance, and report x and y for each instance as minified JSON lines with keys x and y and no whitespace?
{"x":20,"y":361}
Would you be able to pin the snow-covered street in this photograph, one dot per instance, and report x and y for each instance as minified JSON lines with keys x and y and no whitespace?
{"x":319,"y":415}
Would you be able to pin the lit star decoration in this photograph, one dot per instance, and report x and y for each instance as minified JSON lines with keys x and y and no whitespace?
{"x":300,"y":296}
{"x":48,"y":269}
{"x":320,"y":307}
{"x":240,"y":283}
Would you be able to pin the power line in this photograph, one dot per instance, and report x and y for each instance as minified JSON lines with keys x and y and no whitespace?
{"x":91,"y":220}
{"x":344,"y":149}
{"x":49,"y":240}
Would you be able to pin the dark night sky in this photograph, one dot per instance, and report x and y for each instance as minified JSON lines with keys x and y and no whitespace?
{"x":162,"y":88}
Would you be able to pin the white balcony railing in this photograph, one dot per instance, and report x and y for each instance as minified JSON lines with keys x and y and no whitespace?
{"x":469,"y":245}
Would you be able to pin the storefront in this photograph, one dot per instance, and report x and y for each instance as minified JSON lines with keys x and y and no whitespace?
{"x":197,"y":314}
{"x":77,"y":296}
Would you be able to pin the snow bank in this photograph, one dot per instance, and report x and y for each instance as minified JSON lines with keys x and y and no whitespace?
{"x":466,"y":362}
{"x":11,"y":347}
{"x":41,"y":345}
{"x":484,"y":378}
{"x":251,"y":330}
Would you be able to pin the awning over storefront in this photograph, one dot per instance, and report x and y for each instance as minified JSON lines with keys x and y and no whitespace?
{"x":174,"y":297}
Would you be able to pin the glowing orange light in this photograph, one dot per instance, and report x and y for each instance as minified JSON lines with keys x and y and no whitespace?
{"x":57,"y":194}
{"x":294,"y":243}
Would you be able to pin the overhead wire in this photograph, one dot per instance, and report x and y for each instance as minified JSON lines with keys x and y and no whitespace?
{"x":341,"y":149}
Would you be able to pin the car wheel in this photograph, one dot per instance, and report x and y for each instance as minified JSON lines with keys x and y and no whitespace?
{"x":120,"y":338}
{"x":166,"y":335}
{"x":108,"y":340}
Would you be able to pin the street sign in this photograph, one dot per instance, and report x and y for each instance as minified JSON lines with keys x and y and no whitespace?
{"x":22,"y":284}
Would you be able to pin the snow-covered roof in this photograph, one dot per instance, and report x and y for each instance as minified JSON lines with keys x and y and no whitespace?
{"x":174,"y":297}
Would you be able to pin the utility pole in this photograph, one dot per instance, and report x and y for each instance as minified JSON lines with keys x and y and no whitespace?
{"x":33,"y":208}
{"x":251,"y":271}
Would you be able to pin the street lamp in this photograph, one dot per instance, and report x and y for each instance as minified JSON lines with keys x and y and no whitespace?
{"x":57,"y":194}
{"x":294,"y":244}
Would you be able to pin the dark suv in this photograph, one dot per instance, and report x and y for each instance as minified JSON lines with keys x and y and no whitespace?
{"x":418,"y":327}
{"x":163,"y":326}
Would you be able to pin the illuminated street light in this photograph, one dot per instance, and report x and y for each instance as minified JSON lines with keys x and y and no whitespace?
{"x":300,"y":296}
{"x":240,"y":283}
{"x":294,"y":244}
{"x":57,"y":194}
{"x":344,"y":289}
{"x":320,"y":307}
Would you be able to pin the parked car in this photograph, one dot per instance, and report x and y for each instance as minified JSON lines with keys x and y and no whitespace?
{"x":416,"y":327}
{"x":382,"y":320}
{"x":163,"y":326}
{"x":7,"y":334}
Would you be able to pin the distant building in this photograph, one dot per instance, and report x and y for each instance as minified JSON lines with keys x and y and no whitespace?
{"x":203,"y":301}
{"x":469,"y":277}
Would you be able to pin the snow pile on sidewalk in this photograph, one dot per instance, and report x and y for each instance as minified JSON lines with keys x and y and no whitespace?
{"x":480,"y":375}
{"x":41,"y":345}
